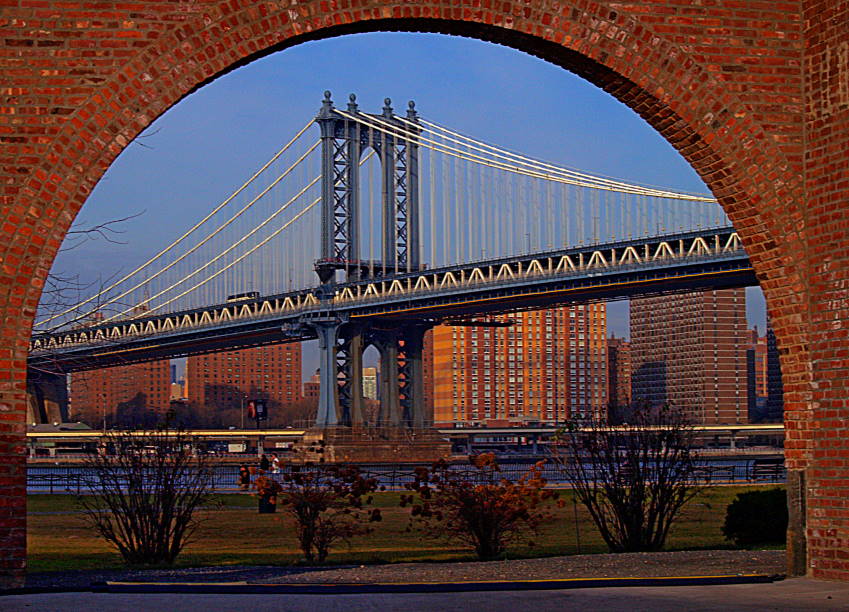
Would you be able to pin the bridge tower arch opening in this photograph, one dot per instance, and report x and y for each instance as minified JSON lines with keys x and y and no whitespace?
{"x":719,"y":104}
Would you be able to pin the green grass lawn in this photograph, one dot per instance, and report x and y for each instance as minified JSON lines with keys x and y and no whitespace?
{"x":234,"y":533}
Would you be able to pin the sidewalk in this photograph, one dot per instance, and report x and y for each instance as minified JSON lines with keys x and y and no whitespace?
{"x":798,"y":594}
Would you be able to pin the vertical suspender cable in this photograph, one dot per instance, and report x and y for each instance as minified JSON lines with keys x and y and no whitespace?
{"x":463,"y":200}
{"x":511,"y":226}
{"x":482,"y":223}
{"x":458,"y":235}
{"x":445,"y":234}
{"x":581,"y":214}
{"x":596,"y":209}
{"x":538,"y":206}
{"x":550,"y":210}
{"x":370,"y":204}
{"x":431,"y":158}
{"x":497,"y":204}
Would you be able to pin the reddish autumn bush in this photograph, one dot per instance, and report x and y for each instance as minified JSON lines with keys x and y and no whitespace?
{"x":477,"y":507}
{"x":328,"y":504}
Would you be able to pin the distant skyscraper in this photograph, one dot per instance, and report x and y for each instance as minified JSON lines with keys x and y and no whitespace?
{"x":221,"y":384}
{"x":312,"y":387}
{"x":756,"y":365}
{"x":759,"y":344}
{"x":690,"y":350}
{"x":126,"y":396}
{"x":370,"y":383}
{"x":548,"y":365}
{"x":427,"y":368}
{"x":775,"y":386}
{"x":618,"y":374}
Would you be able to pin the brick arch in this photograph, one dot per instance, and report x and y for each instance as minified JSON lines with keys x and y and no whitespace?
{"x":674,"y":72}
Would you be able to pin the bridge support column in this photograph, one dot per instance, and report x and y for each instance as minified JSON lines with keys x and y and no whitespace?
{"x":415,"y":413}
{"x":47,"y":397}
{"x":328,"y":334}
{"x":340,"y":397}
{"x":390,"y":405}
{"x":349,"y":371}
{"x":402,"y":398}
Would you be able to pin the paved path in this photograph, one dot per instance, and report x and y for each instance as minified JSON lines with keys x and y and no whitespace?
{"x":799,"y":594}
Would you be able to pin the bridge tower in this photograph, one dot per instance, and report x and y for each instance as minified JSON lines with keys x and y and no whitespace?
{"x":343,"y":142}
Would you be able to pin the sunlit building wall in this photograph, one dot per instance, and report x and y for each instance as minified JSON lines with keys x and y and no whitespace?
{"x":690,"y":350}
{"x":121,"y":395}
{"x":226,"y":380}
{"x":547,"y":366}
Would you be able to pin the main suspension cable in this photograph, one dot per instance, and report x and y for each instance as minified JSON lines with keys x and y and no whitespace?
{"x":600,"y":184}
{"x":216,"y":232}
{"x":237,"y":260}
{"x":225,"y":251}
{"x":486,"y":148}
{"x":235,"y":244}
{"x":181,"y":238}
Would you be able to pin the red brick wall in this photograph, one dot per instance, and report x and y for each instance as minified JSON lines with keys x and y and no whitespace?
{"x":722,"y":81}
{"x":826,"y":65}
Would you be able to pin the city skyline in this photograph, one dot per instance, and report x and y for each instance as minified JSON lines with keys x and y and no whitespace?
{"x":545,"y":366}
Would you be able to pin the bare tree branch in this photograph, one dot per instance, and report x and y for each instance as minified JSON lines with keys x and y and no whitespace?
{"x":107,"y":231}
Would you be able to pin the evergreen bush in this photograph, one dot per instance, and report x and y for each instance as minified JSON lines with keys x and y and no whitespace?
{"x":757,"y":518}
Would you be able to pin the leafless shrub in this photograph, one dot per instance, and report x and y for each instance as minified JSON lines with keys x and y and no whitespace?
{"x":634,"y":478}
{"x":145,"y":491}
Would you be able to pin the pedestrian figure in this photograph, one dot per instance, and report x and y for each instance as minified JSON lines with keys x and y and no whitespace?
{"x":244,"y":478}
{"x":263,"y":463}
{"x":275,"y":464}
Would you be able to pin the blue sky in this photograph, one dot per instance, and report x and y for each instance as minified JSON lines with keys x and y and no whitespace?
{"x":205,"y":146}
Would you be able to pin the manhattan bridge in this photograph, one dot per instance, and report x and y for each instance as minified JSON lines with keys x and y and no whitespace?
{"x":384,"y":226}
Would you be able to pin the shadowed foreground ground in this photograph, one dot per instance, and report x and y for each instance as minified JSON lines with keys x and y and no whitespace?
{"x":682,"y":563}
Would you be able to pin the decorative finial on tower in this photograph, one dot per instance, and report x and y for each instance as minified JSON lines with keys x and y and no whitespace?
{"x":326,"y":105}
{"x":412,"y":115}
{"x":387,"y":108}
{"x":352,"y":103}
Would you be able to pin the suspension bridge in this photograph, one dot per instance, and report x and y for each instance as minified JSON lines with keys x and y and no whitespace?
{"x":406,"y":224}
